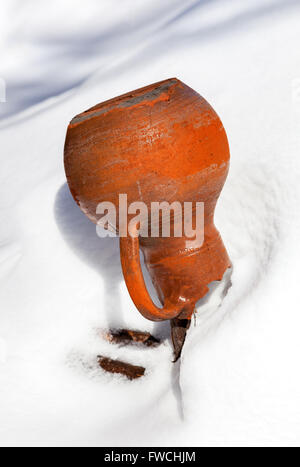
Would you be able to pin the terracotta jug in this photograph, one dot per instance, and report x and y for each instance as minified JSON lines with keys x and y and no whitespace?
{"x":163,"y":142}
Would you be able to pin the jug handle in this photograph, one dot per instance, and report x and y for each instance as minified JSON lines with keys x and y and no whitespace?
{"x":133,"y":275}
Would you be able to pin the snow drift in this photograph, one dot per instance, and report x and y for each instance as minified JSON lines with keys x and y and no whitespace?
{"x":61,"y":285}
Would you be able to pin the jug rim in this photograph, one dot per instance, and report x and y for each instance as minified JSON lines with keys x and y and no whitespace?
{"x":145,"y":94}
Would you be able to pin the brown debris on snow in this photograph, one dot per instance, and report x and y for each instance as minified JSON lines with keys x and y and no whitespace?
{"x":123,"y":368}
{"x":179,"y":328}
{"x":126,"y":336}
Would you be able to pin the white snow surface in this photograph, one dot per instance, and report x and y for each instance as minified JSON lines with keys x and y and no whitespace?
{"x":238,"y":383}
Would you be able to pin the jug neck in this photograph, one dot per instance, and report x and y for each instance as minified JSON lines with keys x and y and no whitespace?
{"x":180,"y":270}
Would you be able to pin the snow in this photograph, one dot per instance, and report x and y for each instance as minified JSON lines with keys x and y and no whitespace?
{"x":61,"y":286}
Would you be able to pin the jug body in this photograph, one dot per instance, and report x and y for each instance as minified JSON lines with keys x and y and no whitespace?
{"x":161,"y":143}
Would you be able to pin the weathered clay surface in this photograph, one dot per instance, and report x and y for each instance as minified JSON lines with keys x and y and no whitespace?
{"x":163,"y":142}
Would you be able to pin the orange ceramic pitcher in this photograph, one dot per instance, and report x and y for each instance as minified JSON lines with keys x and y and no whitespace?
{"x":163,"y":142}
